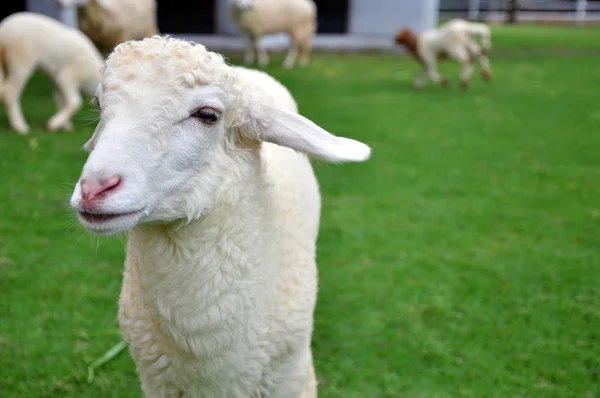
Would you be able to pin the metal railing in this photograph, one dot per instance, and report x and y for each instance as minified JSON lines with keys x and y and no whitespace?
{"x":558,"y":11}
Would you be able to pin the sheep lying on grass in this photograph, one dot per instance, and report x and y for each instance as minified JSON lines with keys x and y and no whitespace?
{"x":111,"y":22}
{"x":197,"y":160}
{"x":257,"y":18}
{"x":454,"y":39}
{"x":29,"y":41}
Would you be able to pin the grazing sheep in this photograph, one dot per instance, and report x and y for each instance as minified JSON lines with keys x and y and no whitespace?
{"x":29,"y":41}
{"x":196,"y":159}
{"x":455,"y":39}
{"x":257,"y":18}
{"x":111,"y":22}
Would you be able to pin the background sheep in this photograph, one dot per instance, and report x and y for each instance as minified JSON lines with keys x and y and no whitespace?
{"x":257,"y":18}
{"x":454,"y":39}
{"x":110,"y":22}
{"x":29,"y":41}
{"x":220,"y":279}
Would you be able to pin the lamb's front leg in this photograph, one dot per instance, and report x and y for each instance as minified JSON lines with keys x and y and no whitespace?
{"x":299,"y":377}
{"x":420,"y":79}
{"x":431,"y":67}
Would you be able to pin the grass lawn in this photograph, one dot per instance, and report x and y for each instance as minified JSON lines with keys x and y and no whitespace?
{"x":462,"y":260}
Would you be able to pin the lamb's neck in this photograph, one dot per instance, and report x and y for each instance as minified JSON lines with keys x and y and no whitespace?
{"x":184,"y":270}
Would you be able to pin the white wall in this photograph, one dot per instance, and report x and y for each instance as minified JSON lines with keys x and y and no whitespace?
{"x":385,"y":17}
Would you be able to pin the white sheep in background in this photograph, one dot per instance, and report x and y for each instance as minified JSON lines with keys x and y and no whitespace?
{"x":220,"y":278}
{"x":257,"y":18}
{"x":111,"y":22}
{"x":454,"y":39}
{"x":29,"y":41}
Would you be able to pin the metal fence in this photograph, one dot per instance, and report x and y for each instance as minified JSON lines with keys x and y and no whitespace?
{"x":548,"y":11}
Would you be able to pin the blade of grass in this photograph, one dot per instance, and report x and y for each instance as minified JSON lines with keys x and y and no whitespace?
{"x":110,"y":354}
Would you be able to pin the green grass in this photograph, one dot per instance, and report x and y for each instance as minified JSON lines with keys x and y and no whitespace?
{"x":461,"y":260}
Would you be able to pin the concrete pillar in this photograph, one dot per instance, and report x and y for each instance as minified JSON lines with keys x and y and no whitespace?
{"x":225,"y":25}
{"x":581,"y":9}
{"x":430,"y":11}
{"x":474,"y":9}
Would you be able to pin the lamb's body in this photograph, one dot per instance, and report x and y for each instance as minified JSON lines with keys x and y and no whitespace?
{"x":220,"y":279}
{"x":111,"y":22}
{"x":257,"y":18}
{"x":229,"y":283}
{"x":30,"y":41}
{"x":455,"y":39}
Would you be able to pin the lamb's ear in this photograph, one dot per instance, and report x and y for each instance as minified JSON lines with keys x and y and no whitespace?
{"x":91,"y":143}
{"x":294,"y":131}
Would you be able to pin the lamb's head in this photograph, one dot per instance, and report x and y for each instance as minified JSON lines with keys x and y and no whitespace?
{"x":405,"y":37}
{"x":177,"y":124}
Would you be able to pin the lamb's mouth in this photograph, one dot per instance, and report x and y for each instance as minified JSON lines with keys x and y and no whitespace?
{"x":108,"y":223}
{"x":98,"y":217}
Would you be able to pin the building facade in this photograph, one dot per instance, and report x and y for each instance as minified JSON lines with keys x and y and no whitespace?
{"x":342,"y":24}
{"x":346,"y":17}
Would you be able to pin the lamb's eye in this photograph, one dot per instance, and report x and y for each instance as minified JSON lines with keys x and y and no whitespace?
{"x":206,"y":115}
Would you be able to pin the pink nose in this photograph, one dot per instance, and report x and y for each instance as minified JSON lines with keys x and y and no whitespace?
{"x":91,"y":189}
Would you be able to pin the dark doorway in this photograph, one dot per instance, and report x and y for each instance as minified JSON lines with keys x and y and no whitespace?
{"x":332,"y":16}
{"x":10,"y":7}
{"x":174,"y":18}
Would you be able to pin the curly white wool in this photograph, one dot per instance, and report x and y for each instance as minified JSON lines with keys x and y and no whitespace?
{"x":29,"y":41}
{"x":111,"y":22}
{"x":257,"y":18}
{"x":220,"y":279}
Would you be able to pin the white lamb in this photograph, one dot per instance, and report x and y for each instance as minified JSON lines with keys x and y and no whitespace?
{"x":257,"y":18}
{"x":111,"y":22}
{"x":220,"y":279}
{"x":29,"y":41}
{"x":454,"y":39}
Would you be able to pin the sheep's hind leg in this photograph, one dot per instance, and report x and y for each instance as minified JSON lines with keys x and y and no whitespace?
{"x":485,"y":66}
{"x":60,"y":103}
{"x":467,"y":71}
{"x":71,"y":102}
{"x":305,"y":49}
{"x":290,"y":59}
{"x":463,"y":56}
{"x":249,"y":55}
{"x":18,"y":74}
{"x":263,"y":57}
{"x":476,"y":50}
